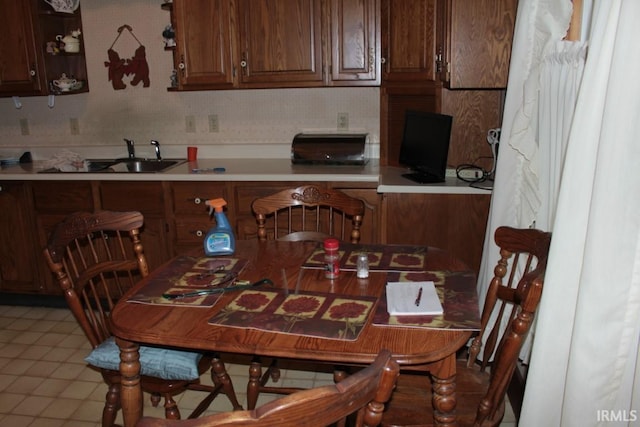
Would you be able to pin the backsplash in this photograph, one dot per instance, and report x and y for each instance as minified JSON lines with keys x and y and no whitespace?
{"x":250,"y":123}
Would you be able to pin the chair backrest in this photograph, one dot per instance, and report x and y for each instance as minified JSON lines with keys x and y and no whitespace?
{"x":308,"y":213}
{"x":96,"y":258}
{"x":513,"y":295}
{"x":362,"y":395}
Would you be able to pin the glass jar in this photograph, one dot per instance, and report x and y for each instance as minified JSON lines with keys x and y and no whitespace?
{"x":331,"y":258}
{"x":362,"y":266}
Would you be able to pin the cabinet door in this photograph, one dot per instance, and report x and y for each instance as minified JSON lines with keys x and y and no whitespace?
{"x":280,"y":42}
{"x":409,"y":40}
{"x":453,"y":222}
{"x":477,"y":43}
{"x":355,"y":42}
{"x":17,"y":236}
{"x":149,"y":199}
{"x":20,"y":71}
{"x":204,"y":50}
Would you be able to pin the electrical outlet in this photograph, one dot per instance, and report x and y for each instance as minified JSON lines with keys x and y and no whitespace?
{"x":470,"y":174}
{"x":74,"y":127}
{"x":451,"y":173}
{"x":343,"y":121}
{"x":213,"y":123}
{"x":24,"y":126}
{"x":190,"y":124}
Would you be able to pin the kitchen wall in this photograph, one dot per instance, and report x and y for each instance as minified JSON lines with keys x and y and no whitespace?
{"x":252,"y":123}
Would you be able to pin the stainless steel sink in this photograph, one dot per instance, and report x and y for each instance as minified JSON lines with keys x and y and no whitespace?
{"x":124,"y":165}
{"x":142,"y":166}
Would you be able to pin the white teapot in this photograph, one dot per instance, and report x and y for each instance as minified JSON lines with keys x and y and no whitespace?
{"x":71,"y":42}
{"x":64,"y":83}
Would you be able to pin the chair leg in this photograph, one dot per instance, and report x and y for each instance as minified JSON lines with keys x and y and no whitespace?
{"x":171,"y":411}
{"x":155,"y":399}
{"x":220,"y":376}
{"x":111,"y":405}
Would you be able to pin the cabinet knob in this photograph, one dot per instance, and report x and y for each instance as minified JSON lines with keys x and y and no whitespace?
{"x":181,"y":66}
{"x":199,"y":233}
{"x":243,"y":63}
{"x":197,"y":200}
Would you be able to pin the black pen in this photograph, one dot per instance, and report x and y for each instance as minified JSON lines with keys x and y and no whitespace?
{"x":419,"y":297}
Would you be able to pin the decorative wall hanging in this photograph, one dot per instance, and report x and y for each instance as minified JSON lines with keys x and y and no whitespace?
{"x":136,"y":66}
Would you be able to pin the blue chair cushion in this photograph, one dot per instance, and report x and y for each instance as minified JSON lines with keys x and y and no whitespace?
{"x":154,"y":362}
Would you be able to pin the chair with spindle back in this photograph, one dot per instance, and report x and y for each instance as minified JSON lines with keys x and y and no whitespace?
{"x":362,"y":395}
{"x":512,"y":299}
{"x":308,"y":213}
{"x":305,"y":213}
{"x":96,"y":258}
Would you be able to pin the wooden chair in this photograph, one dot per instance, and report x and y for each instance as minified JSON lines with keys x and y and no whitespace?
{"x":308,"y":213}
{"x":305,"y":213}
{"x":480,"y":395}
{"x":363,"y":394}
{"x":96,"y":258}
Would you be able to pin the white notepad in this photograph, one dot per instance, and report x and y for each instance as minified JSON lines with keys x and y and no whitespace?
{"x":402,"y":298}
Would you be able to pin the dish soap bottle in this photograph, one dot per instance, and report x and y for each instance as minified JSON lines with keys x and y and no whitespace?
{"x":220,"y":239}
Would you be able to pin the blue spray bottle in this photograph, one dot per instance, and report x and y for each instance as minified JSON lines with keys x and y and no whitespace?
{"x":220,"y":239}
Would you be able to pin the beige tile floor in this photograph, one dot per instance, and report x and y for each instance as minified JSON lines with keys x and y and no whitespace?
{"x":44,"y":381}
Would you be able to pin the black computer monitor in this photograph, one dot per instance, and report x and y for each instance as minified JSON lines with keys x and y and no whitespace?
{"x":425,"y":145}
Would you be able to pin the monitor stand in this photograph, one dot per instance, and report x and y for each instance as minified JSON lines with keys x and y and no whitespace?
{"x":422,"y":177}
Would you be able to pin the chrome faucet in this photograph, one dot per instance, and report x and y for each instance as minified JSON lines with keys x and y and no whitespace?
{"x":156,"y":145}
{"x":130,"y":149}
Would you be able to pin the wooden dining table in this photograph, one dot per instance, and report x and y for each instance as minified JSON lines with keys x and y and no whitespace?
{"x":201,"y":327}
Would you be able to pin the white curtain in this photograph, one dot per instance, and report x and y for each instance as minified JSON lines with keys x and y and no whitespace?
{"x":544,"y":78}
{"x":584,"y":363}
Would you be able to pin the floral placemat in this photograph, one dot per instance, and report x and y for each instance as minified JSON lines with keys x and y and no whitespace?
{"x":457,"y":293}
{"x":312,"y":314}
{"x":381,"y":257}
{"x":186,"y":274}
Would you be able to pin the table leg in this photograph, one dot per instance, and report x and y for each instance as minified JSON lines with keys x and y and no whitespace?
{"x":253,"y":387}
{"x":130,"y":391}
{"x":444,"y":402}
{"x":221,"y":377}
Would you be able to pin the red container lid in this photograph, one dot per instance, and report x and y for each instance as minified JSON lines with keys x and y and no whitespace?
{"x":331,"y":244}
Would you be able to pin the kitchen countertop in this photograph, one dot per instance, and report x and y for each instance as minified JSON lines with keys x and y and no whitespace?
{"x":389,"y":178}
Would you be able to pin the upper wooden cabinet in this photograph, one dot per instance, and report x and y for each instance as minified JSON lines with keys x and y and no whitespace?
{"x":21,"y":70}
{"x":408,"y":41}
{"x":224,"y":44}
{"x":474,"y":46}
{"x":355,"y":42}
{"x":31,"y":53}
{"x":204,"y":49}
{"x":280,"y":42}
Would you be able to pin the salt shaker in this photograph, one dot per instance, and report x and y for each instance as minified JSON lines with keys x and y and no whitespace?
{"x":331,"y":258}
{"x":362,"y":266}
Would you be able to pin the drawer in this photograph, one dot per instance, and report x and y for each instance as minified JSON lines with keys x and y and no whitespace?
{"x":189,"y":197}
{"x":62,"y":196}
{"x":192,"y":229}
{"x":146,"y":197}
{"x":246,"y":193}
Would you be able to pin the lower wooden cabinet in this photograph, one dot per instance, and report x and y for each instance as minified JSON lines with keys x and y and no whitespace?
{"x":177,"y":219}
{"x":453,"y":222}
{"x":17,"y":239}
{"x":149,"y":198}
